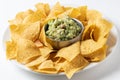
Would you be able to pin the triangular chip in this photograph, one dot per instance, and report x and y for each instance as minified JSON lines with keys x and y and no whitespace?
{"x":45,"y":51}
{"x":43,"y":7}
{"x":26,"y":50}
{"x":11,"y":50}
{"x":104,"y":26}
{"x":93,"y":15}
{"x":37,"y":61}
{"x":100,"y":54}
{"x":32,"y":32}
{"x":91,"y":49}
{"x":75,"y":65}
{"x":42,"y":38}
{"x":87,"y":32}
{"x":47,"y":67}
{"x":73,"y":13}
{"x":38,"y":44}
{"x":83,"y":12}
{"x":20,"y":17}
{"x":70,"y":52}
{"x":36,"y":16}
{"x":55,"y":11}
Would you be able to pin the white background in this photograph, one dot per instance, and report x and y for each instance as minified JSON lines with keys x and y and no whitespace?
{"x":108,"y":70}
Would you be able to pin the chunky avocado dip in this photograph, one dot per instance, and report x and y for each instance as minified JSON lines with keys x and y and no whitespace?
{"x":62,"y":29}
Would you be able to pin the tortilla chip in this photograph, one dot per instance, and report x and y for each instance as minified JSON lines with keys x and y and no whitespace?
{"x":15,"y":34}
{"x":38,"y":44}
{"x":37,"y":61}
{"x":104,"y":26}
{"x":93,"y":15}
{"x":26,"y":50}
{"x":70,"y":52}
{"x":87,"y":33}
{"x":20,"y":17}
{"x":59,"y":63}
{"x":91,"y":48}
{"x":32,"y":32}
{"x":96,"y":33}
{"x":83,"y":12}
{"x":55,"y":11}
{"x":45,"y":51}
{"x":99,"y":54}
{"x":67,"y":8}
{"x":43,"y":7}
{"x":36,"y":16}
{"x":73,"y":13}
{"x":75,"y":65}
{"x":52,"y":57}
{"x":17,"y":29}
{"x":11,"y":50}
{"x":47,"y":67}
{"x":42,"y":38}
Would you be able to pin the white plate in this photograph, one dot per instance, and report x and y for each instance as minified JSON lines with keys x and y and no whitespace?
{"x":112,"y":43}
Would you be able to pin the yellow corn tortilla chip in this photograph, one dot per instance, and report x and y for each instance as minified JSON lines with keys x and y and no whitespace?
{"x":91,"y":49}
{"x":38,"y":44}
{"x":47,"y":67}
{"x":36,"y":16}
{"x":100,"y":54}
{"x":96,"y":33}
{"x":48,"y":64}
{"x":17,"y":29}
{"x":70,"y":52}
{"x":11,"y":50}
{"x":93,"y":15}
{"x":99,"y":30}
{"x":32,"y":32}
{"x":37,"y":61}
{"x":43,"y":7}
{"x":87,"y":32}
{"x":83,"y":12}
{"x":75,"y":65}
{"x":42,"y":38}
{"x":88,"y":46}
{"x":56,"y":10}
{"x":67,"y":8}
{"x":104,"y":26}
{"x":59,"y":63}
{"x":53,"y":58}
{"x":20,"y":17}
{"x":26,"y":50}
{"x":45,"y":51}
{"x":15,"y":34}
{"x":73,"y":12}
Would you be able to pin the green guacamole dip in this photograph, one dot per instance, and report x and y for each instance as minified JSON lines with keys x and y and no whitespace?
{"x":62,"y":29}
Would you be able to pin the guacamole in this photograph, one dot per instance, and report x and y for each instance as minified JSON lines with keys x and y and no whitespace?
{"x":62,"y":29}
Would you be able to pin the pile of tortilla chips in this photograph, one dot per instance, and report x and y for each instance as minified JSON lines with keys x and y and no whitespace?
{"x":29,"y":47}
